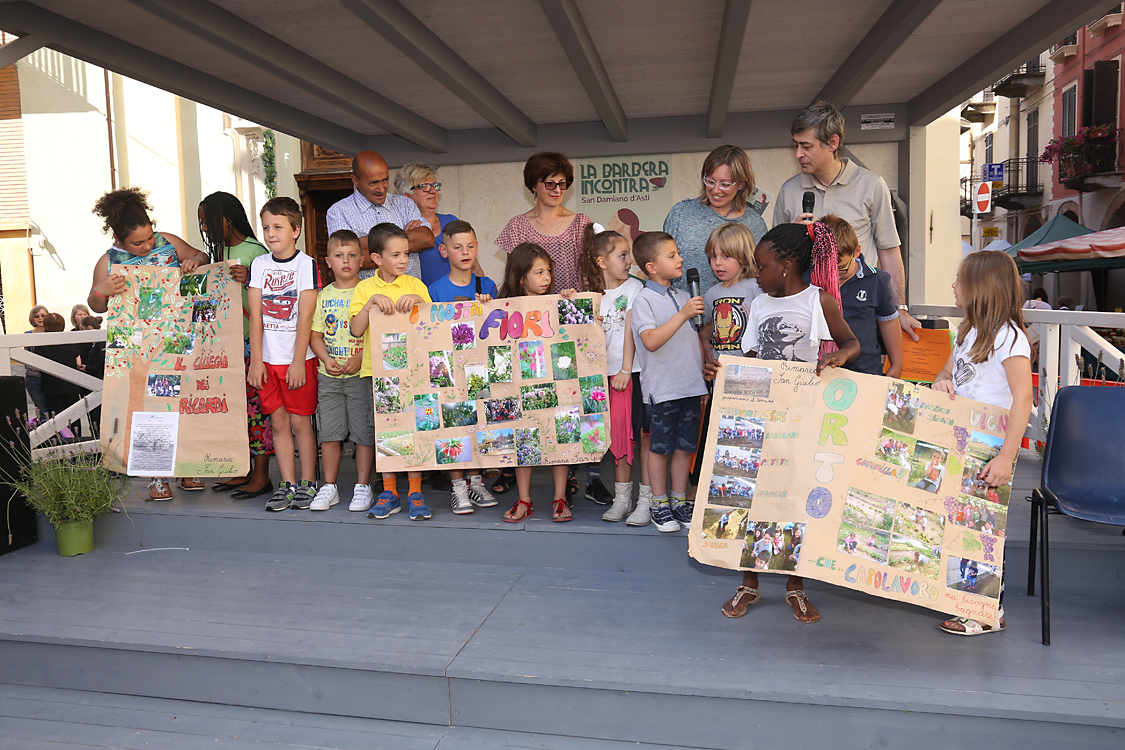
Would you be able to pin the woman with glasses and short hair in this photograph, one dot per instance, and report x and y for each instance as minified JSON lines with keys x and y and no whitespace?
{"x":556,"y":229}
{"x":728,"y":183}
{"x":420,"y":184}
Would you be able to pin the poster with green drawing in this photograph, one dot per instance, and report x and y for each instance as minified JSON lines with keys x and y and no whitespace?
{"x":175,"y":356}
{"x":857,"y":480}
{"x":501,"y":383}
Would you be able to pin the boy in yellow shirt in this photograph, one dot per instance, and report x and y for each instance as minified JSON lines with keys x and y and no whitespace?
{"x":388,"y":290}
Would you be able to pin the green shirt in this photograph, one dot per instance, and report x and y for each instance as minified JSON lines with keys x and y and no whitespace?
{"x":244,"y":252}
{"x":331,"y":319}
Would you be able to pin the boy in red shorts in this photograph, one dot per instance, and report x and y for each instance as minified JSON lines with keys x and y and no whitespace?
{"x":282,"y":296}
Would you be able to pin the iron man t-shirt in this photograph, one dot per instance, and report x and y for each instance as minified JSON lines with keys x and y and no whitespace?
{"x":727,"y":312}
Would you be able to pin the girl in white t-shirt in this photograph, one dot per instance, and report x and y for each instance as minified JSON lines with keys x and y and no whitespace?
{"x":797,"y":321}
{"x":991,"y":362}
{"x":604,"y":267}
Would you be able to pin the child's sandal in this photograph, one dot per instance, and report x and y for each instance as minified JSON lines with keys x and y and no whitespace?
{"x":158,"y":489}
{"x":517,"y":514}
{"x":743,"y":598}
{"x":561,"y":511}
{"x":799,"y":600}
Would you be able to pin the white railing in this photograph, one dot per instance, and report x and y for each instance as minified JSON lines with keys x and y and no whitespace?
{"x":12,"y":349}
{"x":1063,"y":334}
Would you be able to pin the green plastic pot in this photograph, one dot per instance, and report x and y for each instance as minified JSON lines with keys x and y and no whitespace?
{"x":75,"y":538}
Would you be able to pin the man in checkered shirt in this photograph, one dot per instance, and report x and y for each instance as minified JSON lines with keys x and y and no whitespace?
{"x":371,"y":204}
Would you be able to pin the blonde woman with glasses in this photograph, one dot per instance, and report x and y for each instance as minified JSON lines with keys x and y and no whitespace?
{"x":420,"y":184}
{"x":727,"y":182}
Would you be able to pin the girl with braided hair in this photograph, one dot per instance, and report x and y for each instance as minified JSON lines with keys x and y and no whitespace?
{"x":228,"y":235}
{"x":797,"y":321}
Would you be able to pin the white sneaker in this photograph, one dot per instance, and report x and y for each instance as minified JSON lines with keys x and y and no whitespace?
{"x":479,"y":494}
{"x":326,"y":497}
{"x":459,"y":498}
{"x":362,"y":498}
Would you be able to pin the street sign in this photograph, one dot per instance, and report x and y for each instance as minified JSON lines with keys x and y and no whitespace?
{"x":990,"y":232}
{"x":993,"y":172}
{"x":982,"y":198}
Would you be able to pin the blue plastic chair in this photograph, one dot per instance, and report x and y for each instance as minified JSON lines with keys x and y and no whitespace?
{"x":1082,"y":469}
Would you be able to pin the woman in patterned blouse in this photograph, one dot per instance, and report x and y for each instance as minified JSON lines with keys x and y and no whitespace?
{"x":555,"y":229}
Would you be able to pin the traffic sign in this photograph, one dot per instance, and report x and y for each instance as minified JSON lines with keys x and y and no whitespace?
{"x":990,"y":232}
{"x":993,"y":172}
{"x":982,"y":198}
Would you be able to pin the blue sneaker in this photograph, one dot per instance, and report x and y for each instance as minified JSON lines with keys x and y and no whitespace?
{"x":387,"y":505}
{"x":663,"y":519}
{"x":419,"y":511}
{"x":682,"y":512}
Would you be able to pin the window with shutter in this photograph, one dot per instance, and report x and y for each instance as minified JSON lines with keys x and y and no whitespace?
{"x":1069,"y":110}
{"x":1106,"y":74}
{"x":988,"y":148}
{"x":1087,"y":98}
{"x":1033,"y":150}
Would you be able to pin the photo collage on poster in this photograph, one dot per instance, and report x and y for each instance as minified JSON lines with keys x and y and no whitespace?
{"x":452,"y":392}
{"x":861,"y":481}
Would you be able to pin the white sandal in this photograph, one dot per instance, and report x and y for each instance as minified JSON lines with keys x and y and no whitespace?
{"x":970,"y":627}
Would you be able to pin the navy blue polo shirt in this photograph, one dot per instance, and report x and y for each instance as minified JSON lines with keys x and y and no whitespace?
{"x":866,"y":300}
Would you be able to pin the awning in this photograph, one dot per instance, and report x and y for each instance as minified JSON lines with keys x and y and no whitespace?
{"x":1086,"y":252}
{"x":1060,"y":227}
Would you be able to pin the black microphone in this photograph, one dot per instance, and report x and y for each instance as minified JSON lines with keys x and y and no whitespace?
{"x":809,"y":202}
{"x":693,"y":290}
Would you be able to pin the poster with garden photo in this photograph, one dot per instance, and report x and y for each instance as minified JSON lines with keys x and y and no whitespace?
{"x":512,"y":382}
{"x":856,"y":480}
{"x":174,"y":393}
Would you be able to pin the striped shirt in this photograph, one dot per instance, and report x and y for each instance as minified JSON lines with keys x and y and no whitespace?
{"x":359,"y":214}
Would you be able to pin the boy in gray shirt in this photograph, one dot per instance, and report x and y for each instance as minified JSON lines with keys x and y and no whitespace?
{"x":671,"y":375}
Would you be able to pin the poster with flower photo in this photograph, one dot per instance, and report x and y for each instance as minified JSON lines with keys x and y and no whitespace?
{"x":174,"y":393}
{"x":511,"y":382}
{"x":857,"y":480}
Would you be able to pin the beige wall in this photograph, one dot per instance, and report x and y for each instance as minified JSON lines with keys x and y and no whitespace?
{"x":934,"y":201}
{"x":488,"y":195}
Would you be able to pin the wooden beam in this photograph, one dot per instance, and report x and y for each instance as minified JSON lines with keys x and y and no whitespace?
{"x":889,"y":33}
{"x":98,"y":48}
{"x":392,"y":21}
{"x":571,"y":31}
{"x":1013,"y":47}
{"x":241,"y":38}
{"x":19,"y":49}
{"x":736,"y":14}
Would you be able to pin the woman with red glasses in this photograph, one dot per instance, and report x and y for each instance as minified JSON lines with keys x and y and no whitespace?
{"x":556,"y":229}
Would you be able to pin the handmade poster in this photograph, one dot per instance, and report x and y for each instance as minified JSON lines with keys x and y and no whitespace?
{"x":512,"y":382}
{"x":857,"y":480}
{"x":174,"y":347}
{"x":923,"y":360}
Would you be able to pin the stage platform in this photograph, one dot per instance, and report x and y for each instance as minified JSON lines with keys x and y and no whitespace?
{"x":332,"y":630}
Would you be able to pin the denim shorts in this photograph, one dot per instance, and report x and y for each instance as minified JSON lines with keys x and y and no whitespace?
{"x":674,"y":425}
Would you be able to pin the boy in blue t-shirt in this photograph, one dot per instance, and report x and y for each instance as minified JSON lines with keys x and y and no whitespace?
{"x":459,"y":246}
{"x":869,"y":309}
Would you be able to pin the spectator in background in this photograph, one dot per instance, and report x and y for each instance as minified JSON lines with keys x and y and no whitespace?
{"x":727,"y":183}
{"x":61,"y":394}
{"x":92,"y":362}
{"x":1066,"y":303}
{"x":419,"y":183}
{"x":1038,"y":301}
{"x":78,"y":313}
{"x":33,"y":379}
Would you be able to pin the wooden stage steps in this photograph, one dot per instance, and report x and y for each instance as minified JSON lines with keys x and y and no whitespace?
{"x":332,"y":630}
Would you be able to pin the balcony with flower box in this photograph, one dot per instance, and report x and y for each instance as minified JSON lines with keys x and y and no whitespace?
{"x":1089,"y":160}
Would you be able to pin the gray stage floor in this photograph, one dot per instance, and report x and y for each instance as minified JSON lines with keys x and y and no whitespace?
{"x":629,"y":650}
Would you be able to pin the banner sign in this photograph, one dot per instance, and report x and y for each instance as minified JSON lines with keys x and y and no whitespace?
{"x":857,"y":480}
{"x":511,"y":382}
{"x":174,"y":394}
{"x":628,"y":194}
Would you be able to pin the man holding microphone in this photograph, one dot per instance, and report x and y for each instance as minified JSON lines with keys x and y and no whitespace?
{"x":837,"y":186}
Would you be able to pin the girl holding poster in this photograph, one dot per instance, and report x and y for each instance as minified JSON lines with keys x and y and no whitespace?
{"x":791,"y":321}
{"x":529,"y":272}
{"x":992,"y":362}
{"x":604,"y":268}
{"x":137,"y":243}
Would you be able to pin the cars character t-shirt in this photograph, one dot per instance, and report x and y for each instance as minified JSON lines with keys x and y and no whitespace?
{"x":282,"y":282}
